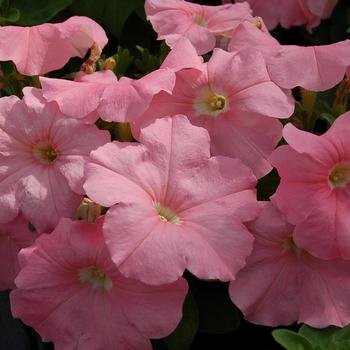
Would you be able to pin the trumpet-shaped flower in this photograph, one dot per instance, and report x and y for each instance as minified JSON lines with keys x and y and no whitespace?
{"x":282,"y":283}
{"x":292,"y":12}
{"x":42,"y":157}
{"x":13,"y":236}
{"x":324,"y":66}
{"x":173,"y":207}
{"x":202,"y":25}
{"x":235,"y":100}
{"x":70,"y":291}
{"x":314,"y":191}
{"x":46,"y":47}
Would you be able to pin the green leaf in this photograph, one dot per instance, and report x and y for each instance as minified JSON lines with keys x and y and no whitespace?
{"x":38,"y":11}
{"x":330,"y":338}
{"x":217,"y":313}
{"x":185,"y":332}
{"x":10,"y":16}
{"x":110,"y":13}
{"x":323,"y":338}
{"x":291,"y":340}
{"x":341,"y":338}
{"x":329,"y":118}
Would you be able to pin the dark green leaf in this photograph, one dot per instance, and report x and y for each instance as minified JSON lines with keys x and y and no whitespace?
{"x":38,"y":11}
{"x":110,"y":13}
{"x":10,"y":16}
{"x":185,"y":332}
{"x":291,"y":340}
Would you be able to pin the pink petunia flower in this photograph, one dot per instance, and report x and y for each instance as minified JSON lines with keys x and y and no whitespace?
{"x":70,"y":291}
{"x":235,"y":100}
{"x":314,"y":191}
{"x":173,"y":207}
{"x":283,"y":283}
{"x":46,"y":47}
{"x":42,"y":157}
{"x":13,"y":236}
{"x":102,"y":95}
{"x":292,"y":12}
{"x":324,"y":66}
{"x":202,"y":25}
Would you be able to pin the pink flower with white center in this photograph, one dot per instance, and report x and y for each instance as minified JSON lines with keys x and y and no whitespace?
{"x":283,"y":283}
{"x":314,"y":191}
{"x":324,"y":66}
{"x":173,"y":207}
{"x":46,"y":47}
{"x":42,"y":157}
{"x":70,"y":291}
{"x":102,"y":95}
{"x":235,"y":100}
{"x":13,"y":236}
{"x":202,"y":25}
{"x":292,"y":12}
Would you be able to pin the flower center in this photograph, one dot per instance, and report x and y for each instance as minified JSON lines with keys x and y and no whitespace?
{"x":209,"y":102}
{"x":289,"y":244}
{"x":45,"y":152}
{"x":216,"y":103}
{"x":96,"y":277}
{"x":166,"y":214}
{"x":339,"y":177}
{"x":198,"y":19}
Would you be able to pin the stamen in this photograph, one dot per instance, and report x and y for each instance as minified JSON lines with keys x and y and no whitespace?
{"x":166,"y":214}
{"x":45,"y":152}
{"x":210,"y":103}
{"x":96,"y":277}
{"x":339,"y":177}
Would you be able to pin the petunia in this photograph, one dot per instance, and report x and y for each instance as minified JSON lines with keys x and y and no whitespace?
{"x":282,"y":283}
{"x":101,"y":94}
{"x":314,"y":191}
{"x":292,"y":12}
{"x":13,"y":236}
{"x":202,"y":25}
{"x":173,"y":207}
{"x":42,"y":157}
{"x":70,"y":291}
{"x":235,"y":100}
{"x":324,"y":66}
{"x":47,"y":47}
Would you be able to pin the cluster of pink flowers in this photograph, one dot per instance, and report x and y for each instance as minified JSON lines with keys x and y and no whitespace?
{"x":182,"y":197}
